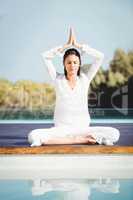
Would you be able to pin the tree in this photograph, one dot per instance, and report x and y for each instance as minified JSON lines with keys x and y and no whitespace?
{"x":121,"y":63}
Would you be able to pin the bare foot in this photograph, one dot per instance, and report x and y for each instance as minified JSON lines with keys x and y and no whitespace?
{"x":90,"y":139}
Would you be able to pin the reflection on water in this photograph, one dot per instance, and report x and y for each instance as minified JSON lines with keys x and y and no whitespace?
{"x":66,"y":189}
{"x":75,"y":189}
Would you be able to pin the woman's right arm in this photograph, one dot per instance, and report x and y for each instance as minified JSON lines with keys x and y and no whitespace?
{"x":49,"y":55}
{"x":47,"y":58}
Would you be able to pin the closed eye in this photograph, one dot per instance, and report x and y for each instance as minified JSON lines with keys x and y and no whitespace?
{"x":73,"y":62}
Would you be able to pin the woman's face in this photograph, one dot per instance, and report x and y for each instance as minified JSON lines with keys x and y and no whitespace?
{"x":72,"y":64}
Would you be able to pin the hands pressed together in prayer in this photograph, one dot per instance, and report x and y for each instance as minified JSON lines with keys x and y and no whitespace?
{"x":71,"y":41}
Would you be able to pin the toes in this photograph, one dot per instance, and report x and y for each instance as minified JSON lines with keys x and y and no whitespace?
{"x":91,"y":139}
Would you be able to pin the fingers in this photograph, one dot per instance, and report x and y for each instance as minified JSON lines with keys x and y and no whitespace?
{"x":73,"y":37}
{"x":70,"y":37}
{"x":72,"y":31}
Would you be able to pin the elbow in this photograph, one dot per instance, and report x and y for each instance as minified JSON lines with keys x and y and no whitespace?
{"x":102,"y":56}
{"x":100,"y":59}
{"x":45,"y":55}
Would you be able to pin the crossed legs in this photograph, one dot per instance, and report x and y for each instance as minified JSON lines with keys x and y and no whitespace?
{"x":79,"y":139}
{"x":67,"y":135}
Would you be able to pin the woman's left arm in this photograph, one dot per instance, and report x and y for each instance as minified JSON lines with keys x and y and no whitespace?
{"x":97,"y":55}
{"x":98,"y":59}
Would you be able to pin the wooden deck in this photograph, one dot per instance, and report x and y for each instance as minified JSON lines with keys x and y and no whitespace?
{"x":68,"y":149}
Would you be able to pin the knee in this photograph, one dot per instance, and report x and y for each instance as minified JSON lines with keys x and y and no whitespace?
{"x":116,"y":134}
{"x":33,"y":137}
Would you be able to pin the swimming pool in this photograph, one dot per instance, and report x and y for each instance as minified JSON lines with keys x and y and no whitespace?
{"x":82,"y":189}
{"x":45,"y":121}
{"x":52,"y":177}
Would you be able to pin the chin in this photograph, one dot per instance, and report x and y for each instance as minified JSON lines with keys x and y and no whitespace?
{"x":73,"y":73}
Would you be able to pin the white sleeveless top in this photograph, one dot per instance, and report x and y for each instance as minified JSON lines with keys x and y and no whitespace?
{"x":71,"y":108}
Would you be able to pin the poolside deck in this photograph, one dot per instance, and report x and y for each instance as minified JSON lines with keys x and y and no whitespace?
{"x":13,"y":140}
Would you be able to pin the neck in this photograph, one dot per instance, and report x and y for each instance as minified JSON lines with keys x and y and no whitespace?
{"x":72,"y":78}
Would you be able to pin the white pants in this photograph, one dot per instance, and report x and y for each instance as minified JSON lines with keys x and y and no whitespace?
{"x":41,"y":136}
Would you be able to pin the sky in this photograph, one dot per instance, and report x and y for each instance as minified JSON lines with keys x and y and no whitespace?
{"x":29,"y":27}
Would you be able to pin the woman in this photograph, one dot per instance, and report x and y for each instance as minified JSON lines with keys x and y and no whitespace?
{"x":71,"y":116}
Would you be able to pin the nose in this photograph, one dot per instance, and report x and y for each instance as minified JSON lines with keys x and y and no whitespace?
{"x":72,"y":65}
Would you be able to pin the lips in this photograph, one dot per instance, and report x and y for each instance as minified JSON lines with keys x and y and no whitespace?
{"x":72,"y":69}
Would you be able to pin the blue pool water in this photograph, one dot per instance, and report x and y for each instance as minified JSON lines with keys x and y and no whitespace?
{"x":66,"y":189}
{"x":49,"y":121}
